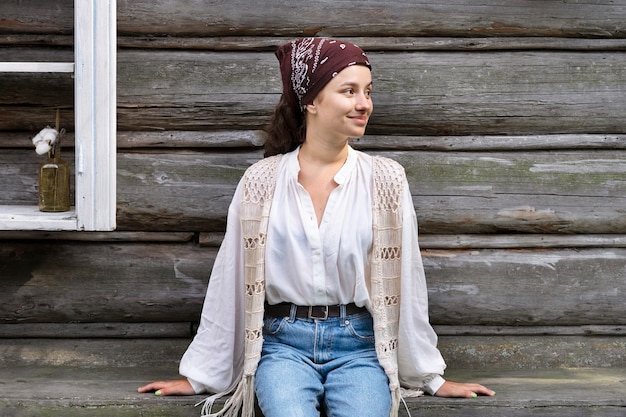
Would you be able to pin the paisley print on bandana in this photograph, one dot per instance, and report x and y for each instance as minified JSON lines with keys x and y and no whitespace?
{"x":301,"y":55}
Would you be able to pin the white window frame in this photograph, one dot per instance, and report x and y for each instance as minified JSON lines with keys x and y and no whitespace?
{"x":95,"y":105}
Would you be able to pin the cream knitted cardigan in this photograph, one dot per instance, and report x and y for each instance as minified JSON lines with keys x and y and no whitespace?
{"x":383,"y":285}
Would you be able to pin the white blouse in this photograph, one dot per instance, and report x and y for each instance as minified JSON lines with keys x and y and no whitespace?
{"x":311,"y":265}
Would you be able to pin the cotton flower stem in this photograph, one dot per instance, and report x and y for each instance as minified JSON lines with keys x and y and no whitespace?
{"x":57,"y":144}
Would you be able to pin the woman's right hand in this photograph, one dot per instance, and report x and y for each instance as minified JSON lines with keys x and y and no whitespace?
{"x":163,"y":388}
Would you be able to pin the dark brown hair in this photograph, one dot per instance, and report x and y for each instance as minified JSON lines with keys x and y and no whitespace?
{"x":286,"y":129}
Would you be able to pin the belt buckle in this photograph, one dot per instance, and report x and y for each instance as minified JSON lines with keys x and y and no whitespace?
{"x":322,"y":317}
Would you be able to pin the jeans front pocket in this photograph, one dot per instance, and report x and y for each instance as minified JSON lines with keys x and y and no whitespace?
{"x":273,"y":326}
{"x":361,"y":326}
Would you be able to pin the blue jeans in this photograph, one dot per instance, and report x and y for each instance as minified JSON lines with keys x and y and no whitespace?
{"x":312,"y":365}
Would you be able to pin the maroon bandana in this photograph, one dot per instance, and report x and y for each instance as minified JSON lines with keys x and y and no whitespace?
{"x":308,"y":64}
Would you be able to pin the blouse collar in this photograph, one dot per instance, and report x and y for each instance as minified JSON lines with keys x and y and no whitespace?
{"x":340,"y":177}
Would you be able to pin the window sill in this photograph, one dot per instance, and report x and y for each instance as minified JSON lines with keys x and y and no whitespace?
{"x":36,"y":67}
{"x":30,"y":218}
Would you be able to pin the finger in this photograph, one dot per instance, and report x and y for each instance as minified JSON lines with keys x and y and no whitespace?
{"x":154,"y":386}
{"x":478,"y":393}
{"x":169,"y":390}
{"x":479,"y":389}
{"x":488,"y":392}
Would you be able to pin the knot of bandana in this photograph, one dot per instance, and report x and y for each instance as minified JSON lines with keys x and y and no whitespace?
{"x":308,"y":64}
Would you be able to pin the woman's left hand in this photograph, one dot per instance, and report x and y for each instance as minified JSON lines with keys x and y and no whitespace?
{"x":464,"y":390}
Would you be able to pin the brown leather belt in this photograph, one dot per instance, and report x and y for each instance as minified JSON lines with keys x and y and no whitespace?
{"x":310,"y":312}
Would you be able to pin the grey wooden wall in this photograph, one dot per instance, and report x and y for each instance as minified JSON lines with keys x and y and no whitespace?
{"x":507,"y":115}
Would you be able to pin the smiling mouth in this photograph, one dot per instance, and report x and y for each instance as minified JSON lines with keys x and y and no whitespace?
{"x":361,"y":119}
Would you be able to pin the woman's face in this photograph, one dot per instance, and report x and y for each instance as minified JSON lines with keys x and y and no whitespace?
{"x":343,"y":107}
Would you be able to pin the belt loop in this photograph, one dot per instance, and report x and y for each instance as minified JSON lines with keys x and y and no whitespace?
{"x":293,"y":311}
{"x":342,"y":312}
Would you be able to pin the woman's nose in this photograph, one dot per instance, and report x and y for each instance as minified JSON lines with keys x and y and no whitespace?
{"x":364,"y":102}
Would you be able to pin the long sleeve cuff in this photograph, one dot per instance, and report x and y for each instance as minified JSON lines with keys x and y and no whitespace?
{"x":434,"y":384}
{"x":197,"y":386}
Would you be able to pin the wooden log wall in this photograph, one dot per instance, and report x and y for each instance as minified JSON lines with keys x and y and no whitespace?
{"x":507,"y":115}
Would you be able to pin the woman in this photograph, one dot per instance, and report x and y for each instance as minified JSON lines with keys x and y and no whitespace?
{"x":317,"y":299}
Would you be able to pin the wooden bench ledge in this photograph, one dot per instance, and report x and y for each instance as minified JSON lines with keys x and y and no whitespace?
{"x":67,"y":391}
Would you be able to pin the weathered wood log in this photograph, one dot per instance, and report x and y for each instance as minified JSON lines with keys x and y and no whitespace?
{"x":417,"y":93}
{"x":492,"y":241}
{"x":518,"y":241}
{"x":466,"y":192}
{"x":389,"y":18}
{"x":57,"y":282}
{"x":256,"y":43}
{"x":420,"y":93}
{"x":460,"y":352}
{"x":36,"y":40}
{"x":93,"y":353}
{"x":490,"y":143}
{"x":297,"y":18}
{"x":256,"y":138}
{"x":396,"y":43}
{"x":188,"y":330}
{"x":210,"y":239}
{"x":191,"y":139}
{"x":102,"y":282}
{"x":532,"y":352}
{"x":211,"y":196}
{"x":38,"y":16}
{"x":528,"y":287}
{"x":168,"y":237}
{"x":525,"y":192}
{"x":589,"y":330}
{"x":100,"y":330}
